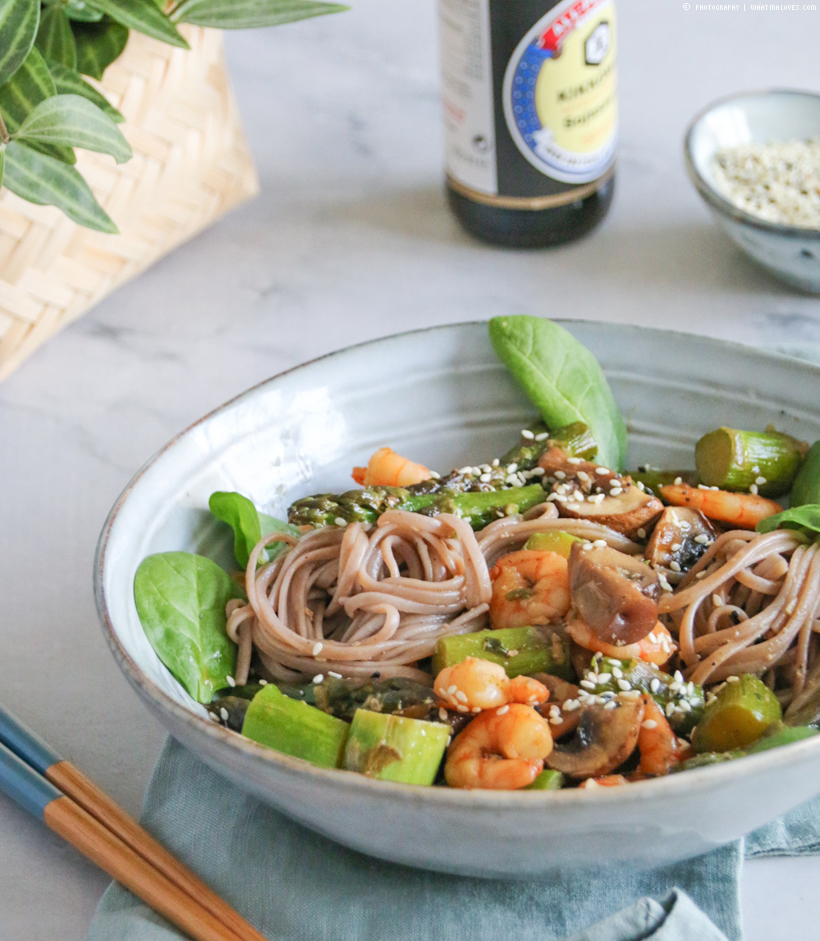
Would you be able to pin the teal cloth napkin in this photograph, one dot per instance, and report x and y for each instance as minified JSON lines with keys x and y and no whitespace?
{"x":294,"y":885}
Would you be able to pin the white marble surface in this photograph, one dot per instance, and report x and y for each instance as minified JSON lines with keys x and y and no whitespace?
{"x":350,"y":239}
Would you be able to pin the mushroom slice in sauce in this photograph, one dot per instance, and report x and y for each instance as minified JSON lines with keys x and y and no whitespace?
{"x":604,"y":738}
{"x":585,"y":490}
{"x":679,"y":539}
{"x":615,"y":594}
{"x":560,"y":692}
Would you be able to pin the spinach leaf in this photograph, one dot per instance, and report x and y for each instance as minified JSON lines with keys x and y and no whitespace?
{"x":563,"y":379}
{"x":181,"y":601}
{"x":806,"y":517}
{"x":249,"y":526}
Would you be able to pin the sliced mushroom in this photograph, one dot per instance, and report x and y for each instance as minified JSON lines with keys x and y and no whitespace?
{"x":604,"y":738}
{"x":561,"y":722}
{"x":615,"y":594}
{"x":679,"y":539}
{"x":585,"y":490}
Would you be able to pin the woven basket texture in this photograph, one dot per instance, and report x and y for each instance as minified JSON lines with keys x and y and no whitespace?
{"x":191,"y":163}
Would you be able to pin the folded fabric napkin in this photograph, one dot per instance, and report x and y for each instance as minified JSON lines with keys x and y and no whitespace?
{"x":294,"y":885}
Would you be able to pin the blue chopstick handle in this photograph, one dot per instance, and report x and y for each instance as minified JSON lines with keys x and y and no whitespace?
{"x":24,"y":743}
{"x":24,"y":785}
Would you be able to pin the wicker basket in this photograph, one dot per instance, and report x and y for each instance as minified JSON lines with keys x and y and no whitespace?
{"x":190,"y":165}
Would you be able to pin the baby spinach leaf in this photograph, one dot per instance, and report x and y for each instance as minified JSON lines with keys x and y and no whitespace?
{"x":806,"y":517}
{"x":181,"y":601}
{"x":249,"y":525}
{"x":563,"y":379}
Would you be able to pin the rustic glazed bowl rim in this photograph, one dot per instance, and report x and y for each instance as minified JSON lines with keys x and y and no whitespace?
{"x":475,"y":800}
{"x":707,"y":189}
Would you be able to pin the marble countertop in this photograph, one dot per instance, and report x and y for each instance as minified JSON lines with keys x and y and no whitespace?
{"x":350,"y":239}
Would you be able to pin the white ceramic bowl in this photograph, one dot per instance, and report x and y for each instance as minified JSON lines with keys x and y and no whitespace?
{"x":790,"y":253}
{"x":441,"y":396}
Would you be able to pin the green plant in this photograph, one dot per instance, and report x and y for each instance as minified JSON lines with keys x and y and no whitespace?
{"x":47,"y":108}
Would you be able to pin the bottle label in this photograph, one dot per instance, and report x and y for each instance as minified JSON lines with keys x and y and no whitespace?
{"x":559,"y":91}
{"x":529,"y":98}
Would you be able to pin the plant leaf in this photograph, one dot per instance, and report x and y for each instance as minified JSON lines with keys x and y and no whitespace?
{"x":249,"y":14}
{"x":562,"y":379}
{"x":30,"y":84}
{"x":181,"y":601}
{"x":50,"y":182}
{"x":142,"y":15}
{"x":69,"y":82}
{"x":73,"y":121}
{"x":249,"y":526}
{"x":98,"y":45}
{"x":80,"y":11}
{"x":54,"y":37}
{"x":19,"y":20}
{"x":805,"y":517}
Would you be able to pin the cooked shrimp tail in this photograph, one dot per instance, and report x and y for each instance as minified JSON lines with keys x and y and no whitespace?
{"x":388,"y":469}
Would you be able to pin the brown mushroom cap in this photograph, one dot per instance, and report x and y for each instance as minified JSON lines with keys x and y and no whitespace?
{"x":604,"y":738}
{"x":615,"y":594}
{"x":629,"y":510}
{"x":674,"y":540}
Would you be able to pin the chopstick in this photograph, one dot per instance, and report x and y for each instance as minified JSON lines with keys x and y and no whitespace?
{"x":71,"y":805}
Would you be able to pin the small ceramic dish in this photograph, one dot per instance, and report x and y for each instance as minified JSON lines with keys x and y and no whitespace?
{"x":442,"y":397}
{"x":788,"y":252}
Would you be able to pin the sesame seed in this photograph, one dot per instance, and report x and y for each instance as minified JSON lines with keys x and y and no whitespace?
{"x":616,"y":491}
{"x":732,"y":679}
{"x":631,"y":694}
{"x":263,"y":682}
{"x":755,"y":469}
{"x":641,"y":534}
{"x":526,"y":433}
{"x":587,"y":684}
{"x":317,"y":648}
{"x":601,"y":470}
{"x":703,"y":487}
{"x":618,"y":673}
{"x":571,"y":705}
{"x":485,"y":478}
{"x":624,"y":684}
{"x":537,"y":472}
{"x":604,"y":677}
{"x":560,"y":474}
{"x":583,"y":475}
{"x":685,"y":705}
{"x":319,"y":678}
{"x":435,"y":475}
{"x":495,"y":462}
{"x":553,"y":497}
{"x":678,"y":481}
{"x":212,"y":717}
{"x":511,"y":479}
{"x":452,"y":690}
{"x":542,"y":436}
{"x":574,"y":460}
{"x":465,"y":470}
{"x":670,"y":708}
{"x":702,"y":539}
{"x":678,"y":676}
{"x":442,"y":713}
{"x":575,"y":507}
{"x":760,"y":481}
{"x":676,"y":547}
{"x":655,"y":685}
{"x":230,"y":680}
{"x":701,"y":575}
{"x":649,"y":724}
{"x":675,"y":566}
{"x":555,"y":711}
{"x":598,"y":656}
{"x":694,"y":701}
{"x":336,"y":676}
{"x":503,"y":710}
{"x":512,"y":468}
{"x":556,"y":720}
{"x":753,"y":489}
{"x":600,"y":543}
{"x":461,"y":696}
{"x":586,"y":546}
{"x":462,"y":708}
{"x":641,"y":486}
{"x":223,"y":714}
{"x":340,"y":522}
{"x":579,"y":496}
{"x":612,"y":704}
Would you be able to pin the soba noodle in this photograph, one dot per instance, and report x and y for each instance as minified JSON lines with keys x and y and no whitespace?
{"x":365,"y":600}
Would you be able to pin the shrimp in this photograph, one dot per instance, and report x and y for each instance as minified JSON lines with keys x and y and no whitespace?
{"x":657,"y":647}
{"x":608,"y":780}
{"x":388,"y":469}
{"x":657,"y":742}
{"x":476,"y":684}
{"x":501,"y":750}
{"x":529,"y":587}
{"x":744,"y":510}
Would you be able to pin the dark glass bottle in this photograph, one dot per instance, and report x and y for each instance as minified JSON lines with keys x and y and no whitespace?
{"x":529,"y":93}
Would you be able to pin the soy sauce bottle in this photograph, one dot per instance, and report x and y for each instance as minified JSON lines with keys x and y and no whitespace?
{"x":530,"y":115}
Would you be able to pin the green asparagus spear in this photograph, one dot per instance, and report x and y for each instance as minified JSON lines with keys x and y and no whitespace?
{"x":740,"y":713}
{"x":682,"y":702}
{"x":806,"y":488}
{"x":520,"y":650}
{"x":295,"y":728}
{"x":395,"y":749}
{"x":548,"y":780}
{"x":479,"y":507}
{"x":775,"y":735}
{"x":576,"y":439}
{"x":736,"y":460}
